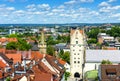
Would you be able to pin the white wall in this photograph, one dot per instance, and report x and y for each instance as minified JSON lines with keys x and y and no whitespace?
{"x":91,"y":66}
{"x":23,"y":78}
{"x":67,"y":66}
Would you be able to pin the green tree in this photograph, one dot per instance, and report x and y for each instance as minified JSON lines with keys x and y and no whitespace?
{"x":67,"y":74}
{"x":13,"y":36}
{"x":61,"y":53}
{"x":23,"y":45}
{"x":51,"y":41}
{"x":106,"y":62}
{"x":115,"y":31}
{"x":8,"y":79}
{"x":93,"y":33}
{"x":66,"y":57}
{"x":50,"y":50}
{"x":12,"y":46}
{"x":92,"y":41}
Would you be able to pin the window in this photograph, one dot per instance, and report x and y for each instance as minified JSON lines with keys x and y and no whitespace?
{"x":76,"y":32}
{"x":74,"y":53}
{"x":74,"y":61}
{"x":73,"y":50}
{"x":74,"y":58}
{"x":76,"y":42}
{"x":78,"y":61}
{"x":111,"y":72}
{"x":78,"y":58}
{"x":78,"y":53}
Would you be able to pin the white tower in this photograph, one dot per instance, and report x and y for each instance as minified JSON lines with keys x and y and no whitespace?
{"x":76,"y":53}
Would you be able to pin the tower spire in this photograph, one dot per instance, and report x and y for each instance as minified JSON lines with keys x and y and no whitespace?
{"x":42,"y":44}
{"x":42,"y":40}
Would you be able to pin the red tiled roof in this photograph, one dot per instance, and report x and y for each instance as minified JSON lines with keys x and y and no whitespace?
{"x":8,"y":39}
{"x":12,"y":39}
{"x":36,"y":55}
{"x":16,"y":57}
{"x":2,"y":64}
{"x":2,"y":50}
{"x":41,"y":76}
{"x":62,"y":62}
{"x":72,"y":31}
{"x":10,"y":51}
{"x":45,"y":68}
{"x":81,"y":31}
{"x":0,"y":74}
{"x":111,"y":48}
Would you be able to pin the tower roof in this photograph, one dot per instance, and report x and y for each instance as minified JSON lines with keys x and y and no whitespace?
{"x":73,"y":30}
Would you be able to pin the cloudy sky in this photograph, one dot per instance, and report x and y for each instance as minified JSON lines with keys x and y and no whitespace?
{"x":59,"y":11}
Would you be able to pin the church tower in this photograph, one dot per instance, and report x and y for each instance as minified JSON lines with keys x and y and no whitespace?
{"x":42,"y":43}
{"x":76,"y":53}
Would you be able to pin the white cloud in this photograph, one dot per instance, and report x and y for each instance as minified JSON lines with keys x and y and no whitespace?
{"x":44,"y":6}
{"x":94,"y":13}
{"x":10,"y":8}
{"x":109,"y":8}
{"x":58,"y":10}
{"x":103,"y":4}
{"x":61,"y":6}
{"x":86,"y":0}
{"x":19,"y":11}
{"x":104,"y":9}
{"x":71,"y":11}
{"x":116,"y":15}
{"x":115,"y":7}
{"x":31,"y":7}
{"x":83,"y":9}
{"x":78,"y":1}
{"x":111,"y":0}
{"x":70,"y":2}
{"x":37,"y":13}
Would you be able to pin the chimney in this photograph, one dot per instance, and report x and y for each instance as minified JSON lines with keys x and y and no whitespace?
{"x":29,"y":54}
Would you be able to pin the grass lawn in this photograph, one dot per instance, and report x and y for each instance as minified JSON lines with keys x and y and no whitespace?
{"x":91,"y":74}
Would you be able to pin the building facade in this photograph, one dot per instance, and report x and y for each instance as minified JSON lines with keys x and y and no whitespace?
{"x":76,"y":53}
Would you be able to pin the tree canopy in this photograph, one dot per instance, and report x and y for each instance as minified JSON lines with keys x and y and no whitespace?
{"x":65,"y":56}
{"x":115,"y":32}
{"x":106,"y":62}
{"x":93,"y":33}
{"x":50,"y":50}
{"x":21,"y":45}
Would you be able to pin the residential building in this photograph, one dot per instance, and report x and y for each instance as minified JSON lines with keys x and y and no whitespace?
{"x":34,"y":30}
{"x":16,"y":30}
{"x":103,"y":37}
{"x":109,"y":73}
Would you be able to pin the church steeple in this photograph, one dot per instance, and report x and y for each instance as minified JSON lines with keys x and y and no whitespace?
{"x":42,"y":40}
{"x":42,"y":43}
